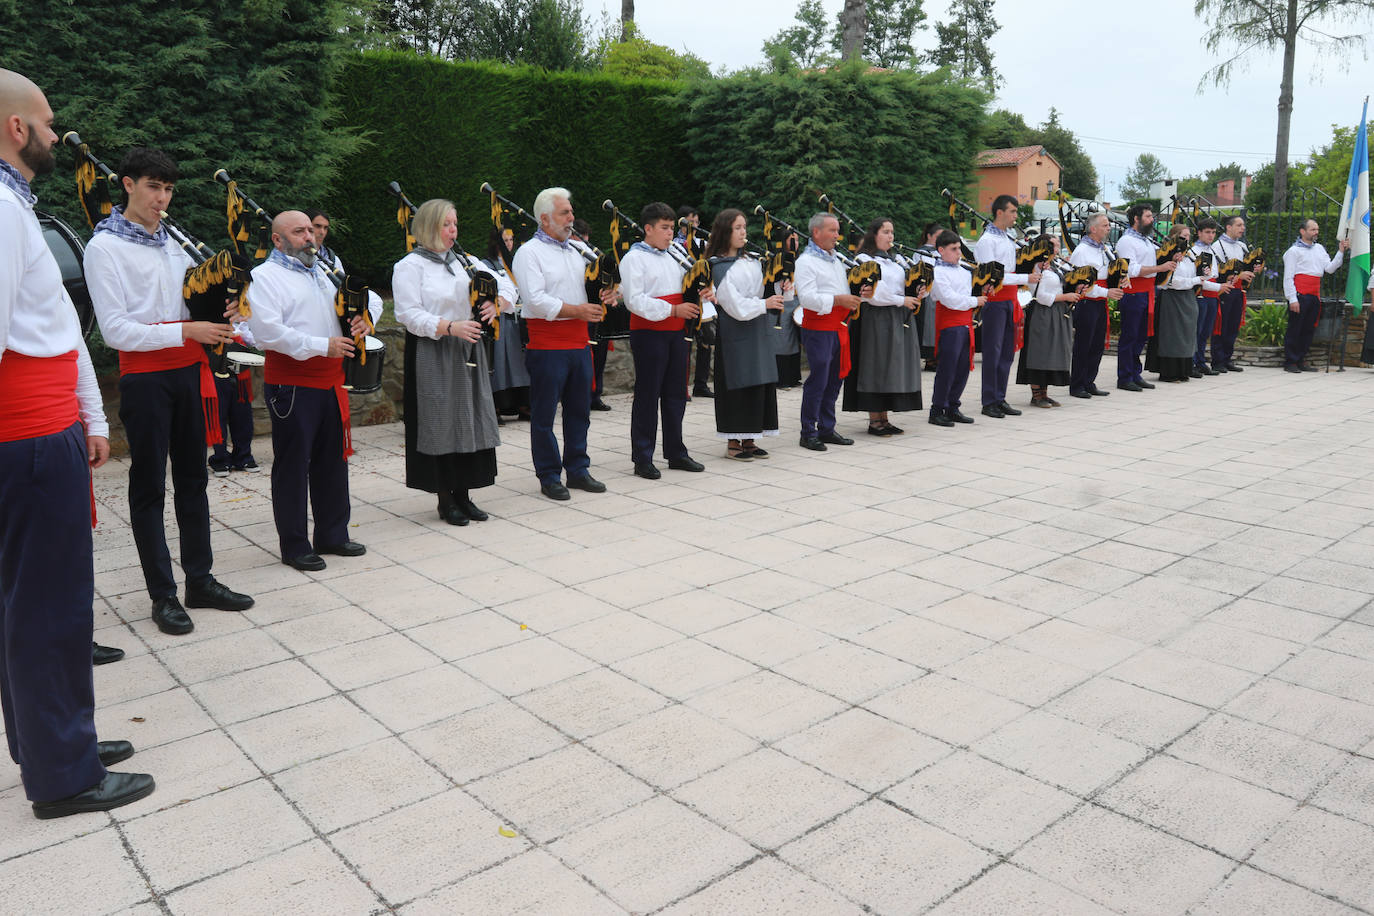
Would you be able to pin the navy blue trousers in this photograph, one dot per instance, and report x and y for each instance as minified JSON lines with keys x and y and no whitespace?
{"x":1232,"y":306}
{"x":1206,"y":323}
{"x":951,"y":367}
{"x":1090,"y":323}
{"x":1135,"y":315}
{"x":999,"y":349}
{"x":164,"y":417}
{"x":307,"y":462}
{"x":660,"y":385}
{"x":559,"y":377}
{"x":822,"y":383}
{"x":1302,"y":325}
{"x":235,"y":422}
{"x":47,"y":583}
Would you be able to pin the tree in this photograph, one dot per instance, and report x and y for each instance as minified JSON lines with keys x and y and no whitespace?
{"x":1078,"y":176}
{"x":853,"y":29}
{"x":801,"y":45}
{"x":1146,"y":171}
{"x":962,"y":43}
{"x":627,"y":19}
{"x":544,"y":33}
{"x":892,"y":25}
{"x":1268,"y":25}
{"x":643,"y":59}
{"x":1329,"y":168}
{"x":1261,"y":195}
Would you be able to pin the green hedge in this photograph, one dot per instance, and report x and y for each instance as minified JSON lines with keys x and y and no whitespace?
{"x":442,"y":128}
{"x":878,"y":143}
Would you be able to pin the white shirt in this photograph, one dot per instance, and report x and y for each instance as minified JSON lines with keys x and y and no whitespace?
{"x":1185,"y":275}
{"x":427,"y":295}
{"x":646,"y":275}
{"x":891,"y":286}
{"x":293,"y":312}
{"x":549,"y":275}
{"x":505,"y":287}
{"x":1228,"y":248}
{"x":1313,"y":261}
{"x":1208,"y":283}
{"x":1049,"y":287}
{"x":819,"y":280}
{"x":998,"y":246}
{"x":1140,"y":252}
{"x":953,"y":287}
{"x":740,"y":291}
{"x":136,"y":290}
{"x":1085,"y":255}
{"x":37,"y":317}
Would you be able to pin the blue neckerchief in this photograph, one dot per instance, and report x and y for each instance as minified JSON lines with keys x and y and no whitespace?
{"x":543,"y":236}
{"x":1303,"y":244}
{"x":445,"y":258}
{"x":118,"y":224}
{"x":1133,"y":232}
{"x":1091,"y":244}
{"x":645,"y":246}
{"x":12,"y":179}
{"x":277,"y":257}
{"x":813,"y":248}
{"x":995,"y":231}
{"x":943,"y":263}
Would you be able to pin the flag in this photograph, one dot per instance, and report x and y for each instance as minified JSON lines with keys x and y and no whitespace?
{"x":1354,"y":223}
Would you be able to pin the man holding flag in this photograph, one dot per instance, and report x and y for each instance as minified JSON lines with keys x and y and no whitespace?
{"x":1303,"y":266}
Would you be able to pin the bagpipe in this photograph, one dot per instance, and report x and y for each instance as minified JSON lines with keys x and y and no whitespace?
{"x":482,"y":286}
{"x":1252,"y":261}
{"x":954,"y":205}
{"x":919,"y":276}
{"x":1170,"y":248}
{"x":780,"y":264}
{"x":858,"y":274}
{"x":1118,"y":270}
{"x":1065,"y":235}
{"x":695,"y":281}
{"x":217,"y":279}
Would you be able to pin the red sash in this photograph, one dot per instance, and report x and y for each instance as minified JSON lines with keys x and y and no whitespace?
{"x":1144,"y":285}
{"x":133,"y":362}
{"x":556,"y":335}
{"x":953,"y":318}
{"x":1006,"y":293}
{"x":1216,"y":329}
{"x":834,"y":320}
{"x":40,"y":395}
{"x":639,"y":323}
{"x":321,"y":372}
{"x":1307,"y":284}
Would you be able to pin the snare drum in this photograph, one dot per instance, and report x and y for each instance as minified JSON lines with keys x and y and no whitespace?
{"x":241,"y":358}
{"x":360,"y":378}
{"x":797,"y":316}
{"x":69,"y":253}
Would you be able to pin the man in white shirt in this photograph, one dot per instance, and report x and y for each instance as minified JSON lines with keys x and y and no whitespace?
{"x":1303,"y":266}
{"x":1231,"y":304}
{"x":1090,"y":316}
{"x":295,"y":322}
{"x":1003,"y":311}
{"x":550,"y":274}
{"x":823,"y":293}
{"x":167,"y":396}
{"x":1137,"y":307}
{"x":52,"y":432}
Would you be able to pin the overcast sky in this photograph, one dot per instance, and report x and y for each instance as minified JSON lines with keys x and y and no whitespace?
{"x":1051,"y":53}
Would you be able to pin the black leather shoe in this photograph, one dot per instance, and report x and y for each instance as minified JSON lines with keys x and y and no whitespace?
{"x":954,"y":414}
{"x":586,"y":482}
{"x":215,"y":595}
{"x":1232,"y":367}
{"x":813,"y":442}
{"x":1098,"y":392}
{"x":598,"y":404}
{"x":701,"y":391}
{"x":306,"y":562}
{"x":834,"y":438}
{"x":170,"y":617}
{"x":1219,"y":368}
{"x":992,"y":410}
{"x":1079,"y":393}
{"x":648,"y":471}
{"x":1128,"y":385}
{"x":1195,"y":372}
{"x":938,"y":418}
{"x":554,"y":489}
{"x":346,"y":549}
{"x":112,"y":752}
{"x":1007,"y":409}
{"x":454,"y":516}
{"x":469,"y":508}
{"x":1306,"y":368}
{"x":114,"y":790}
{"x":1144,"y":384}
{"x":881,"y":430}
{"x":104,"y":655}
{"x":1207,"y":370}
{"x":894,"y":430}
{"x":1291,"y":369}
{"x":686,"y":463}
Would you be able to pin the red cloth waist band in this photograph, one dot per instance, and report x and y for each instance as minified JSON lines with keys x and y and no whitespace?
{"x":40,"y":395}
{"x":319,"y":372}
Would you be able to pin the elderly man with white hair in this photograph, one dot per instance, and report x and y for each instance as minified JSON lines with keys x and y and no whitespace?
{"x":549,"y":272}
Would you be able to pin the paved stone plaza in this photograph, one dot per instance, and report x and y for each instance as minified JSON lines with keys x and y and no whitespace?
{"x":1112,"y":658}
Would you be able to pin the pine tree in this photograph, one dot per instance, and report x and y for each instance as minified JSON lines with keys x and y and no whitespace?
{"x":962,"y":43}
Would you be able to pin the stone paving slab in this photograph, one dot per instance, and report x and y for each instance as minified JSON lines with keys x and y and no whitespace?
{"x":1112,"y":658}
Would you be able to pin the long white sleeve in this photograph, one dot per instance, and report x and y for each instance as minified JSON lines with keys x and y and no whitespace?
{"x":740,"y":291}
{"x":890,"y":289}
{"x":644,"y":276}
{"x":92,"y":408}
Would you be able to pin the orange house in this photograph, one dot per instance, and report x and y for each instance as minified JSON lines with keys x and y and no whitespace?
{"x":1029,"y":173}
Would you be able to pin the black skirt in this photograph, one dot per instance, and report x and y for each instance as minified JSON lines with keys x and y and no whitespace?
{"x":439,"y":473}
{"x":1039,"y":377}
{"x":744,"y":412}
{"x":852,"y":399}
{"x":1170,"y":368}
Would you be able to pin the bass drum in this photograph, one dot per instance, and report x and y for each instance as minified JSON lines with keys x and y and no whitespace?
{"x":70,"y":254}
{"x":365,"y":378}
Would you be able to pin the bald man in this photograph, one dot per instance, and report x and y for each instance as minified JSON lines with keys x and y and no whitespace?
{"x":52,"y":431}
{"x":295,"y":322}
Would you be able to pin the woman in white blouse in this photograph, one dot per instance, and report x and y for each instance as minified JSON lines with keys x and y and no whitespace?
{"x":746,"y":370}
{"x":884,"y":342}
{"x":450,"y":420}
